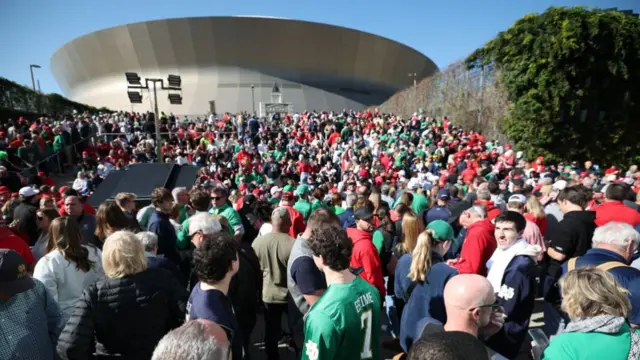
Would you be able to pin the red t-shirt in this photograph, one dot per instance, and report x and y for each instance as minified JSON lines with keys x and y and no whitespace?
{"x":616,"y":211}
{"x":10,"y":241}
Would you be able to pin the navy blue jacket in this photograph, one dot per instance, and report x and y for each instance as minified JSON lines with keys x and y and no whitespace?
{"x":346,"y":219}
{"x":517,"y":296}
{"x":426,"y":299}
{"x":159,"y":262}
{"x":628,"y":277}
{"x":160,"y":225}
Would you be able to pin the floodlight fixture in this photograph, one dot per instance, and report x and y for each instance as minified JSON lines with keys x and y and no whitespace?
{"x":175,"y":99}
{"x":174,"y":81}
{"x":133,"y":78}
{"x":135,"y":97}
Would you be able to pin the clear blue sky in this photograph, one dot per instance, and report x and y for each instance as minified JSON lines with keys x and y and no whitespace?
{"x":444,"y":30}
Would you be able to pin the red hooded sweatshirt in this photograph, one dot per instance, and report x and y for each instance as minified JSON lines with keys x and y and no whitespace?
{"x":479,"y":244}
{"x":492,"y":210}
{"x":365,"y":256}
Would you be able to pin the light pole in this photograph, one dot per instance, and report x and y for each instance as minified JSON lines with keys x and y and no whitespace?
{"x":253,"y":99}
{"x":414,"y":76}
{"x":33,"y":82}
{"x":174,"y":82}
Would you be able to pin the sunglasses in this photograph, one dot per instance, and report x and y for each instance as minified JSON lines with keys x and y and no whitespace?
{"x":216,"y":197}
{"x":494,"y":307}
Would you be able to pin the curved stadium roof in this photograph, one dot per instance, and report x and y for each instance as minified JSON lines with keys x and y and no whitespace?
{"x":219,"y":58}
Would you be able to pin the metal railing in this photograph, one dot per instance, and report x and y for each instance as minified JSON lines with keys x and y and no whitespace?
{"x":67,"y":157}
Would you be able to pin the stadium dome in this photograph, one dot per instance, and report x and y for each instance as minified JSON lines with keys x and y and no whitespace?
{"x":314,"y":66}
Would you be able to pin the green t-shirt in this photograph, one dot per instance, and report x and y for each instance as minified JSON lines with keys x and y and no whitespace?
{"x":235,"y":222}
{"x":337,"y":210}
{"x":589,"y":346}
{"x":58,"y":143}
{"x":258,"y":178}
{"x":304,"y":206}
{"x":344,"y":324}
{"x":277,"y":155}
{"x":316,"y":204}
{"x":345,"y":134}
{"x":29,"y":154}
{"x":378,"y":240}
{"x":419,"y":203}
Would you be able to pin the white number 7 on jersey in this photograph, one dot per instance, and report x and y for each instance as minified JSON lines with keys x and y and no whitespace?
{"x":365,"y":321}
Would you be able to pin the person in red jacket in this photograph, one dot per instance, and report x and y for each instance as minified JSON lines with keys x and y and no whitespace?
{"x":484,"y":199}
{"x":364,"y":255}
{"x":613,"y":208}
{"x":297,"y":220}
{"x":479,"y":243}
{"x":8,"y":240}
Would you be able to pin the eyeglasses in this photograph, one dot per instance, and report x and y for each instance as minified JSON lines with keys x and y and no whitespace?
{"x":494,"y":307}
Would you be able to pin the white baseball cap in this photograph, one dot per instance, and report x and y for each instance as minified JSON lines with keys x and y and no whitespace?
{"x":28,"y":191}
{"x":518,"y":198}
{"x":274,"y":190}
{"x":559,"y":185}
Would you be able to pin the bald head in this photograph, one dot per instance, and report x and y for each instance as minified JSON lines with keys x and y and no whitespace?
{"x":467,"y":291}
{"x":195,"y":340}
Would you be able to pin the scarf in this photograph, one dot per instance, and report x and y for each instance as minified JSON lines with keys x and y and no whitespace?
{"x":606,"y":324}
{"x":501,"y":259}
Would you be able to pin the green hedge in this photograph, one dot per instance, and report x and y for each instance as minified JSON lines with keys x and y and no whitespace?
{"x":17,"y":100}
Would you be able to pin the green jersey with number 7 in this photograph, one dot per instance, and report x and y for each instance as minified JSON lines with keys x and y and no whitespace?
{"x":344,"y":324}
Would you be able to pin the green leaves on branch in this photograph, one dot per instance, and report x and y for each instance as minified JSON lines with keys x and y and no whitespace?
{"x":17,"y":100}
{"x":573,"y":78}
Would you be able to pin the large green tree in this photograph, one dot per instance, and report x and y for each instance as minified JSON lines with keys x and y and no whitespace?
{"x":573,"y":80}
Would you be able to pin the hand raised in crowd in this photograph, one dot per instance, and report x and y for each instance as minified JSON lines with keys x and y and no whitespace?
{"x":496,"y":322}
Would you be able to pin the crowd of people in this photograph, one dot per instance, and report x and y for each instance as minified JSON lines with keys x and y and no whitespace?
{"x":355,"y":227}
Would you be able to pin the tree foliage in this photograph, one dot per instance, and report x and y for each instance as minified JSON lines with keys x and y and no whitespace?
{"x":573,"y":79}
{"x":17,"y":100}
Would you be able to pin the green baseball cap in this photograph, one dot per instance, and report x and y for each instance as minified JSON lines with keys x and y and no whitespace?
{"x":442,"y":230}
{"x":287,"y":188}
{"x":302,"y":189}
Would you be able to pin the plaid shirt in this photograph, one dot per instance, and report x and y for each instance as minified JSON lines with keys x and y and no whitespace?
{"x":29,"y":325}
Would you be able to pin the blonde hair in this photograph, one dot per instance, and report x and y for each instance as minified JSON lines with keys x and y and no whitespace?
{"x":124,"y":198}
{"x":123,"y":255}
{"x":421,"y":257}
{"x":589,"y":292}
{"x":412,"y":226}
{"x":546,"y":189}
{"x":534,"y":207}
{"x":375,"y":199}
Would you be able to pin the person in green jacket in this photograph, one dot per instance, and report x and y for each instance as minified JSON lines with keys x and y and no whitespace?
{"x":221,"y":206}
{"x":598,"y":308}
{"x":303,"y":205}
{"x":199,"y":202}
{"x":58,"y":140}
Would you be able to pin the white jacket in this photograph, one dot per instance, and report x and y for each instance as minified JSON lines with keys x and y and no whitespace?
{"x":64,"y":280}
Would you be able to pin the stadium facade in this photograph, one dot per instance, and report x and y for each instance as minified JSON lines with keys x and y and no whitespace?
{"x":232,"y":64}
